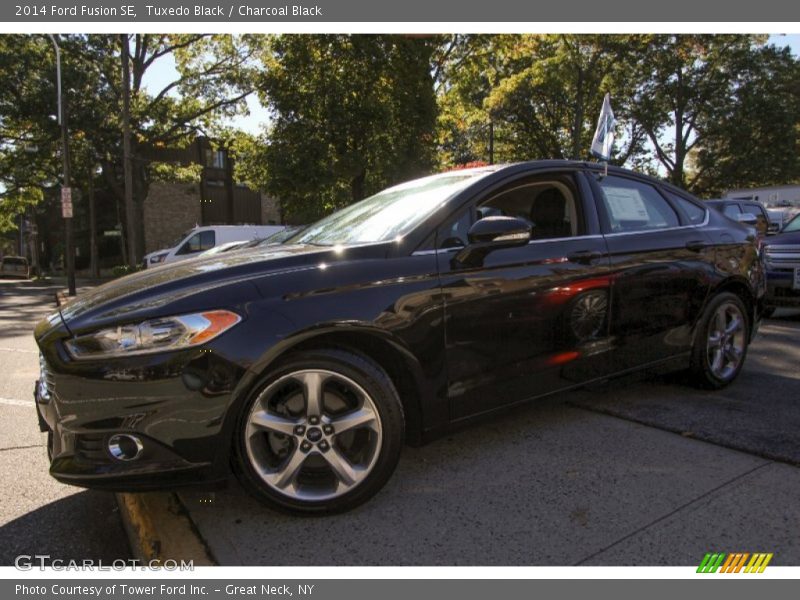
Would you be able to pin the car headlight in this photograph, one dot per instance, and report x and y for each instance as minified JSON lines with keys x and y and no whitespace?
{"x":158,"y":258}
{"x":156,"y":335}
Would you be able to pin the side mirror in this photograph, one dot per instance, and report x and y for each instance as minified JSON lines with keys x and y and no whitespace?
{"x":492,"y":233}
{"x":747,"y":219}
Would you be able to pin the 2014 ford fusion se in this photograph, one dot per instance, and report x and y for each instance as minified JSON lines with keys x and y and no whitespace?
{"x":305,"y":367}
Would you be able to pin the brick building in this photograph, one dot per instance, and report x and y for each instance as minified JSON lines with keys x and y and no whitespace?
{"x":170,"y":209}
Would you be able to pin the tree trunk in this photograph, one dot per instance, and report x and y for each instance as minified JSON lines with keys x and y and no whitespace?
{"x":357,"y":186}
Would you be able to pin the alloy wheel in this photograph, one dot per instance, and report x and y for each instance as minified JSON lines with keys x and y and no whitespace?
{"x":313,"y":435}
{"x":726,"y":341}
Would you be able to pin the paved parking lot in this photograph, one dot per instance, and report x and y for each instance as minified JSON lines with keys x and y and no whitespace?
{"x":38,"y":515}
{"x":646,"y":471}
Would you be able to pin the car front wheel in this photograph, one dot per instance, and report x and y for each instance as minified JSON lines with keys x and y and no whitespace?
{"x":720,"y":345}
{"x":322,"y":434}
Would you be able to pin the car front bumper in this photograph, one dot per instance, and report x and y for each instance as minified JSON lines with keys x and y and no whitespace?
{"x":179,"y":416}
{"x":780,"y":292}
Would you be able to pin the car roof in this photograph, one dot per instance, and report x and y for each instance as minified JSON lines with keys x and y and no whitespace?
{"x":596,"y":167}
{"x":738,"y":200}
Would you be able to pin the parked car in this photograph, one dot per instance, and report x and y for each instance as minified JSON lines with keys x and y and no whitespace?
{"x":15,"y":266}
{"x":306,"y":366}
{"x":227,"y":247}
{"x":778,"y":217}
{"x":782,"y":254}
{"x":201,"y":239}
{"x":748,"y":212}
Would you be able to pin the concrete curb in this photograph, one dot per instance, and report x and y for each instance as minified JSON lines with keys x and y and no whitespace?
{"x":159,"y":529}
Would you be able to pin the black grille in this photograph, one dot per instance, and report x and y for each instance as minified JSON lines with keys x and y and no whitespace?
{"x":781,"y":292}
{"x":90,"y":447}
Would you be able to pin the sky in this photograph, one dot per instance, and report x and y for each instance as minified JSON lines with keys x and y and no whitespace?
{"x":163,"y":72}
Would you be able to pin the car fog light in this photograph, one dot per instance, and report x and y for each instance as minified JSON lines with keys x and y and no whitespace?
{"x":123,"y":446}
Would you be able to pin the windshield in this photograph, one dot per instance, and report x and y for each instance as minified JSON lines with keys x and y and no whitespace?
{"x":389,"y":214}
{"x":794,"y":224}
{"x":180,"y":239}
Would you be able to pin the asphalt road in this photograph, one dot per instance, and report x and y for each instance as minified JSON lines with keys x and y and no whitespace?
{"x":646,"y":471}
{"x":38,"y":515}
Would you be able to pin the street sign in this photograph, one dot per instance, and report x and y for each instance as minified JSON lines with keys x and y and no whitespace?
{"x":66,"y":202}
{"x":112,"y":233}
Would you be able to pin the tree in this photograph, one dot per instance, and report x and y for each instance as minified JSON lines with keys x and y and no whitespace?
{"x":541,"y":93}
{"x":755,"y":139}
{"x":351,"y":114}
{"x":214,"y":77}
{"x":682,"y":84}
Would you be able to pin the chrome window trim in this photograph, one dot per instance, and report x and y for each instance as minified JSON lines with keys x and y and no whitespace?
{"x":530,"y":242}
{"x":692,"y":226}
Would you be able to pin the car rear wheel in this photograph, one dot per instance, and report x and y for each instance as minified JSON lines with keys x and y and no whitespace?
{"x":720,"y":345}
{"x":322,"y":434}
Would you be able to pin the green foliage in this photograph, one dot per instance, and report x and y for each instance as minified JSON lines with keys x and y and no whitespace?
{"x":16,"y":203}
{"x":122,"y":270}
{"x":754,"y":140}
{"x":708,"y":112}
{"x":351,"y":114}
{"x":172,"y":173}
{"x":214,"y":75}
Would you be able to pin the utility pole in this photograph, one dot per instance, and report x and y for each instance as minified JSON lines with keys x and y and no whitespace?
{"x":66,"y":191}
{"x":93,"y":267}
{"x":130,"y":209}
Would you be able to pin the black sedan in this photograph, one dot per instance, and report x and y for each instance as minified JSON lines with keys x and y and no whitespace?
{"x":305,"y":367}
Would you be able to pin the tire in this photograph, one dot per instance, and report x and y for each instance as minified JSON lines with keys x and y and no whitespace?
{"x":293,"y":453}
{"x":768,"y":312}
{"x":719,"y":352}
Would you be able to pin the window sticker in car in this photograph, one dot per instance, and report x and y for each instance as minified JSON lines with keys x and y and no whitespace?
{"x":625,"y":204}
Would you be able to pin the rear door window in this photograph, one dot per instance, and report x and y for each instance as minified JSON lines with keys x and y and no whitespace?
{"x":633,"y":206}
{"x":732,"y":211}
{"x":695,"y":214}
{"x":14,"y":260}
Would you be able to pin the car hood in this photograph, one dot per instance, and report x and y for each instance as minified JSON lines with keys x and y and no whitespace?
{"x":151,"y":292}
{"x":157,"y":252}
{"x":789,"y":238}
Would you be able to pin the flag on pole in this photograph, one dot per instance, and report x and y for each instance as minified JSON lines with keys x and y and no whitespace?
{"x":604,"y":134}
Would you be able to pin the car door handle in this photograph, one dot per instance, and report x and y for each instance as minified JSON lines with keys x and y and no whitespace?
{"x":696,"y":245}
{"x":583,"y":256}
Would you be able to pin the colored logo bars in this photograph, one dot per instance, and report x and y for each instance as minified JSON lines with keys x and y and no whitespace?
{"x":735,"y":562}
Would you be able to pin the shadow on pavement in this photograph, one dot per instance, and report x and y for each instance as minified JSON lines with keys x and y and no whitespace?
{"x":94,"y":531}
{"x":759,"y":413}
